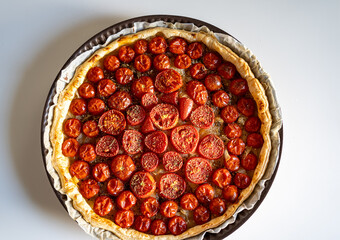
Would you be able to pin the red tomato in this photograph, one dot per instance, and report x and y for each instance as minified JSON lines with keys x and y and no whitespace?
{"x":90,"y":128}
{"x":101,"y":172}
{"x":72,"y":127}
{"x":157,"y":45}
{"x":96,"y":106}
{"x":203,"y":117}
{"x":142,"y":63}
{"x":246,"y":106}
{"x":185,"y":107}
{"x":217,"y":206}
{"x":168,"y":81}
{"x":178,"y":45}
{"x":86,"y":90}
{"x":171,"y":186}
{"x":126,"y":54}
{"x":142,"y":184}
{"x":122,"y":167}
{"x":103,"y":205}
{"x":230,"y":193}
{"x":238,"y":87}
{"x":164,"y":116}
{"x":195,"y":50}
{"x":124,"y":218}
{"x":149,"y":100}
{"x":124,"y":75}
{"x":198,"y":71}
{"x":156,"y":142}
{"x":172,"y":161}
{"x":255,"y":140}
{"x":212,"y":60}
{"x":171,"y":98}
{"x":106,"y":87}
{"x":253,"y":124}
{"x":148,"y":126}
{"x":242,"y":180}
{"x":177,"y":225}
{"x":120,"y":100}
{"x":141,"y":86}
{"x":198,"y":170}
{"x":201,"y":215}
{"x":211,"y":147}
{"x":126,"y":200}
{"x":70,"y":147}
{"x":87,"y":152}
{"x":132,"y":141}
{"x":158,"y":227}
{"x":197,"y":91}
{"x":161,"y":62}
{"x":95,"y":74}
{"x":229,"y":114}
{"x":213,"y":82}
{"x":149,"y":207}
{"x":185,"y":138}
{"x":78,"y":106}
{"x":249,"y":162}
{"x":142,"y":223}
{"x":135,"y":115}
{"x":80,"y":169}
{"x":227,"y":70}
{"x":220,"y":99}
{"x":189,"y":201}
{"x":107,"y":146}
{"x":233,"y":130}
{"x":111,"y":63}
{"x":141,"y":46}
{"x":233,"y":163}
{"x":205,"y":193}
{"x":221,"y":177}
{"x":236,"y":146}
{"x":89,"y":188}
{"x":169,"y":208}
{"x":115,"y":186}
{"x":182,"y":61}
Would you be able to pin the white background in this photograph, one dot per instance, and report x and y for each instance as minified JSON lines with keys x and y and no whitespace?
{"x":297,"y":43}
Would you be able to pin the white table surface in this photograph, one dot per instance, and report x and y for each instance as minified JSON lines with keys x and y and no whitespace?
{"x":297,"y":43}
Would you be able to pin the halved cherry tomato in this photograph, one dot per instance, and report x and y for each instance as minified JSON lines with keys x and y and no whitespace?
{"x":107,"y":146}
{"x":227,"y":70}
{"x":158,"y":227}
{"x":253,"y":124}
{"x":212,"y":60}
{"x":233,"y":130}
{"x":124,"y":218}
{"x":229,"y":114}
{"x":115,"y":186}
{"x":141,"y":46}
{"x":103,"y":205}
{"x":168,"y":208}
{"x":124,"y":75}
{"x":142,"y":223}
{"x":78,"y":106}
{"x":189,"y":201}
{"x":185,"y":138}
{"x":87,"y":152}
{"x":249,"y":162}
{"x":70,"y":147}
{"x":149,"y":100}
{"x":221,"y":177}
{"x":201,"y":215}
{"x":126,"y":200}
{"x":101,"y":172}
{"x":213,"y":82}
{"x":242,"y":180}
{"x":211,"y":147}
{"x":80,"y":169}
{"x":120,"y":100}
{"x":205,"y":193}
{"x":255,"y":140}
{"x":177,"y":225}
{"x":111,"y":63}
{"x":230,"y":193}
{"x":142,"y":184}
{"x":246,"y":106}
{"x":168,"y":81}
{"x":86,"y":90}
{"x":220,"y":99}
{"x":171,"y":186}
{"x":149,"y":207}
{"x":95,"y":74}
{"x":185,"y":107}
{"x":126,"y":54}
{"x":171,"y":98}
{"x":236,"y":146}
{"x":233,"y":163}
{"x":90,"y":128}
{"x":72,"y":127}
{"x":141,"y":86}
{"x":217,"y":206}
{"x":106,"y":87}
{"x":172,"y":161}
{"x":142,"y":63}
{"x":195,"y":50}
{"x":198,"y":71}
{"x":164,"y":116}
{"x":182,"y":61}
{"x":157,"y":45}
{"x":203,"y":117}
{"x":135,"y":115}
{"x":156,"y":141}
{"x":122,"y":167}
{"x":197,"y":91}
{"x":96,"y":106}
{"x":198,"y":170}
{"x":161,"y":62}
{"x":178,"y":45}
{"x":238,"y":87}
{"x":89,"y":188}
{"x":132,"y":141}
{"x":148,"y":126}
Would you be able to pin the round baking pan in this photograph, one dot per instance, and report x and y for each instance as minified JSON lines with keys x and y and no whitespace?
{"x":100,"y":38}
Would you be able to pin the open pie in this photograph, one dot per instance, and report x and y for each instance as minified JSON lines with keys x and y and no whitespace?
{"x":161,"y":134}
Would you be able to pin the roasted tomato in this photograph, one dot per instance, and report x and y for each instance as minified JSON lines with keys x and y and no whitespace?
{"x":122,"y":167}
{"x":198,"y":170}
{"x":171,"y":186}
{"x":142,"y":184}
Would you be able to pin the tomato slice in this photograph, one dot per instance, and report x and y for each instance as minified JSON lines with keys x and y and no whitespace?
{"x":132,"y":141}
{"x":149,"y":161}
{"x":172,"y":161}
{"x":135,"y":115}
{"x":168,"y":81}
{"x":211,"y":147}
{"x":185,"y":107}
{"x":142,"y":184}
{"x":164,"y":116}
{"x":112,"y":122}
{"x":198,"y":170}
{"x":157,"y":142}
{"x":107,"y":146}
{"x":185,"y":138}
{"x":171,"y":186}
{"x":203,"y":117}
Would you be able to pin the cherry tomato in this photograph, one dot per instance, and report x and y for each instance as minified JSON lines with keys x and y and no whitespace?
{"x":141,"y":46}
{"x":164,"y":116}
{"x":198,"y":71}
{"x":253,"y":124}
{"x":249,"y":162}
{"x":124,"y":75}
{"x":168,"y":81}
{"x":89,"y":188}
{"x":255,"y":140}
{"x":197,"y":91}
{"x":87,"y":152}
{"x":126,"y":200}
{"x":142,"y":63}
{"x":80,"y":169}
{"x":115,"y":186}
{"x":203,"y":117}
{"x":198,"y":170}
{"x":148,"y":126}
{"x":124,"y":218}
{"x":142,"y":223}
{"x":101,"y":172}
{"x":238,"y":87}
{"x":185,"y":107}
{"x":189,"y":201}
{"x":233,"y":163}
{"x":142,"y":184}
{"x":168,"y":208}
{"x":111,"y":63}
{"x":126,"y":54}
{"x":230,"y":193}
{"x":86,"y":90}
{"x":201,"y":215}
{"x":70,"y":147}
{"x":213,"y":82}
{"x":96,"y":106}
{"x":212,"y":60}
{"x":195,"y":50}
{"x":242,"y":180}
{"x":185,"y":138}
{"x":229,"y":114}
{"x":95,"y":74}
{"x":161,"y":62}
{"x":135,"y":115}
{"x":78,"y":106}
{"x":122,"y":167}
{"x":112,"y":122}
{"x":149,"y":100}
{"x":132,"y":141}
{"x":103,"y":205}
{"x":246,"y":106}
{"x":205,"y":193}
{"x":157,"y":142}
{"x":177,"y":225}
{"x":236,"y":146}
{"x":149,"y":207}
{"x":120,"y":100}
{"x":141,"y":86}
{"x":158,"y":227}
{"x":157,"y":45}
{"x":211,"y":147}
{"x":171,"y":186}
{"x":178,"y":45}
{"x":217,"y":206}
{"x":227,"y":70}
{"x":90,"y":128}
{"x":72,"y":127}
{"x":182,"y":61}
{"x":107,"y":146}
{"x":171,"y":98}
{"x":172,"y":161}
{"x":106,"y":87}
{"x":233,"y":130}
{"x":221,"y":177}
{"x":220,"y":99}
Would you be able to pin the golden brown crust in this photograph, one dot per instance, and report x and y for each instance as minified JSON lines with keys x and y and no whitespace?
{"x":61,"y":163}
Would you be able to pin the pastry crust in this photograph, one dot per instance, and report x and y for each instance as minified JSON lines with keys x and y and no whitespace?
{"x":62,"y":163}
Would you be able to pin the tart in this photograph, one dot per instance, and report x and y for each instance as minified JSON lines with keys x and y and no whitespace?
{"x":162,"y":134}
